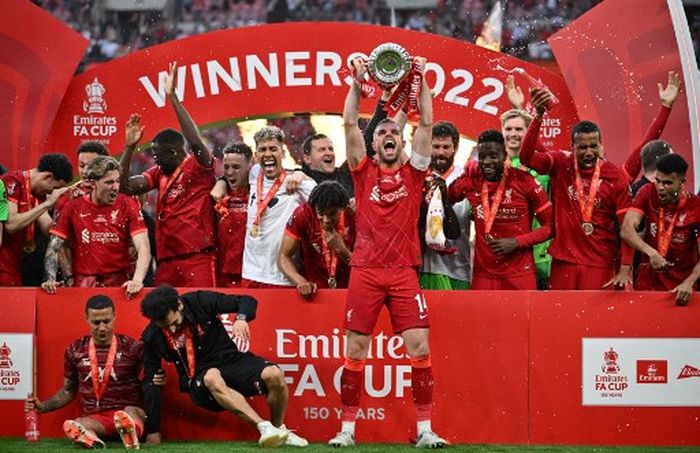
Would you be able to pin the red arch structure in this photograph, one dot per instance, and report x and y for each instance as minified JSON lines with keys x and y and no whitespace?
{"x":286,"y":68}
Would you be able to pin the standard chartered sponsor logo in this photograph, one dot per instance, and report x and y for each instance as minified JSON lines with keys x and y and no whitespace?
{"x":101,"y":237}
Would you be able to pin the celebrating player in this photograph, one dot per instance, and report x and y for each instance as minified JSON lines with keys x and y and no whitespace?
{"x":100,"y":227}
{"x":185,"y":329}
{"x":103,"y":370}
{"x":232,"y":213}
{"x":505,"y":200}
{"x":670,"y":245}
{"x":590,"y":197}
{"x":185,"y":239}
{"x":324,"y":229}
{"x":387,"y":250}
{"x":30,"y":195}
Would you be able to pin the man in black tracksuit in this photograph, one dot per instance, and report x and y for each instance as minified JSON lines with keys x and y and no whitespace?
{"x":185,"y":329}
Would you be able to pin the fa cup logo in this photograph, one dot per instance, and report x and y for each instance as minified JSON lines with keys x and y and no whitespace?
{"x":95,"y":102}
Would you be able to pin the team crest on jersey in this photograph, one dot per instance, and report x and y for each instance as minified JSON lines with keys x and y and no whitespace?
{"x":85,"y":235}
{"x":479,"y":212}
{"x":11,"y":187}
{"x":114,"y":215}
{"x":507,"y":196}
{"x":681,"y":219}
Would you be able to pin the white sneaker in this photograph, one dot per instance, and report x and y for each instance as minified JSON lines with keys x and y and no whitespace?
{"x":342,"y":439}
{"x":270,"y":436}
{"x":293,"y":440}
{"x":429,"y":439}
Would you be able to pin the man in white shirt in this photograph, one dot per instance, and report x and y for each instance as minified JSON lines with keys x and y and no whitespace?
{"x":270,"y":205}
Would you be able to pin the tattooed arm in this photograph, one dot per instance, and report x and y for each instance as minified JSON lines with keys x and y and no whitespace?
{"x":51,"y":264}
{"x":64,"y":396}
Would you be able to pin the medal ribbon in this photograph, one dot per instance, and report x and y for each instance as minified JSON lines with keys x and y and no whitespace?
{"x":330,"y":256}
{"x":100,"y":385}
{"x":166,"y":182}
{"x":222,"y":207}
{"x":491,"y":210}
{"x":586,"y":204}
{"x":189,"y":347}
{"x":405,"y":96}
{"x":665,"y":234}
{"x":262,"y":203}
{"x":32,"y":202}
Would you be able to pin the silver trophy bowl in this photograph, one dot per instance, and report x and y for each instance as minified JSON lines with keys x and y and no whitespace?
{"x":388,"y":64}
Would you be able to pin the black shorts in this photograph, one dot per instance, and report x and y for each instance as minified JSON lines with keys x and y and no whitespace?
{"x":243,"y":375}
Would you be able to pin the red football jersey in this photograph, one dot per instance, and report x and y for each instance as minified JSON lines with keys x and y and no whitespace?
{"x":388,"y":207}
{"x":305,"y":227}
{"x":682,"y":250}
{"x":522,"y":198}
{"x":100,"y":235}
{"x":570,"y":243}
{"x":124,"y":386}
{"x":185,"y":211}
{"x":77,"y":191}
{"x":232,"y":213}
{"x":18,"y":191}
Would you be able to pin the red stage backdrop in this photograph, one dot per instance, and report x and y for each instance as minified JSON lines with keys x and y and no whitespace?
{"x":510,"y":367}
{"x":39,"y":54}
{"x":612,"y":58}
{"x":284,"y":68}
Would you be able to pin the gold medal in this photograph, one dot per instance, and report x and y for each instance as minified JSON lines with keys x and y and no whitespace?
{"x":587,"y":228}
{"x":29,"y":247}
{"x":254,"y":231}
{"x":332,"y":283}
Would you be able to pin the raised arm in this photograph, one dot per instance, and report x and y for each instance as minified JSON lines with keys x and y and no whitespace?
{"x":668,"y":95}
{"x":530,"y":152}
{"x":137,"y":184}
{"x":422,"y":138}
{"x":189,"y":129}
{"x":19,"y":220}
{"x":354,"y":143}
{"x":515,"y":95}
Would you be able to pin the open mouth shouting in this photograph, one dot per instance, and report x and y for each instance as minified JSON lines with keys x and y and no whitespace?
{"x":589,"y":161}
{"x":269,"y":165}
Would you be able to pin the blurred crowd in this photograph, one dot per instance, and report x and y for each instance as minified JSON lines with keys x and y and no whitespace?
{"x":526,"y":24}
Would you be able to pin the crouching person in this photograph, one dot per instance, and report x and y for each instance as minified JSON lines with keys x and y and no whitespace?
{"x":185,"y":329}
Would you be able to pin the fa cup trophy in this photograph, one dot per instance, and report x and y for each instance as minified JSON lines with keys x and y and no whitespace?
{"x":388,"y":64}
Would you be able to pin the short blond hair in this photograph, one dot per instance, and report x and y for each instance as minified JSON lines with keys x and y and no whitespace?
{"x":268,"y":133}
{"x":516,"y":113}
{"x":100,"y":166}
